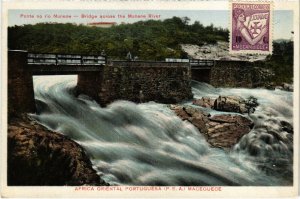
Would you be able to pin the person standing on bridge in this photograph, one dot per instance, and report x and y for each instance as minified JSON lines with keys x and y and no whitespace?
{"x":129,"y":56}
{"x":103,"y":53}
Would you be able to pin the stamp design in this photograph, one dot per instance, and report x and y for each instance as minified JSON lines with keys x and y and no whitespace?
{"x":251,"y":28}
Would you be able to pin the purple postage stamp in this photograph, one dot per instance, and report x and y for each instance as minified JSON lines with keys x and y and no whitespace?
{"x":251,"y":28}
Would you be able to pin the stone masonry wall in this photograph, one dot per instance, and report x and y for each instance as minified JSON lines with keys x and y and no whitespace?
{"x":146,"y":81}
{"x":20,"y":85}
{"x":232,"y":74}
{"x":89,"y":83}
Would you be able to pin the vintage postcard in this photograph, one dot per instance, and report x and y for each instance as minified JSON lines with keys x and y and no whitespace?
{"x":150,"y":98}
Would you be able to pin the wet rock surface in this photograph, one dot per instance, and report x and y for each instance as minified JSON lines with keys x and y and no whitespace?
{"x":225,"y":131}
{"x":205,"y":102}
{"x":224,"y":103}
{"x":222,"y":131}
{"x":37,"y":156}
{"x":194,"y":116}
{"x":230,"y":104}
{"x":285,"y":87}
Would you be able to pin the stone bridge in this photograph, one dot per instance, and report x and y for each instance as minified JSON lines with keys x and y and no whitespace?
{"x":138,"y":81}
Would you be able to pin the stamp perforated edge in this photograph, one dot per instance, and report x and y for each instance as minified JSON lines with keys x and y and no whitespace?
{"x":253,"y":52}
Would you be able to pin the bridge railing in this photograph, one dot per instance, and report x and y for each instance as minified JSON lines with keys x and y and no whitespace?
{"x":194,"y":63}
{"x":202,"y":62}
{"x":65,"y":59}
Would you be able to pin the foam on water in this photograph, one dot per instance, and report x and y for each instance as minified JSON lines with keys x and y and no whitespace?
{"x":147,"y":144}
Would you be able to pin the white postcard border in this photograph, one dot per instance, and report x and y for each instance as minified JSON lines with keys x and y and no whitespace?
{"x":37,"y":191}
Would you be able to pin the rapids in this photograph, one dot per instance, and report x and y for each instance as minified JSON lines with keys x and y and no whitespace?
{"x":147,"y":144}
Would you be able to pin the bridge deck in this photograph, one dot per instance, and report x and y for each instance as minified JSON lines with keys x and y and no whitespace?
{"x":200,"y":64}
{"x":51,"y":64}
{"x":65,"y":59}
{"x":42,"y":69}
{"x":55,"y":64}
{"x":194,"y":63}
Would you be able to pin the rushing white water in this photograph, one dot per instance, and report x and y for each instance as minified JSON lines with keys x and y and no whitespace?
{"x":147,"y":144}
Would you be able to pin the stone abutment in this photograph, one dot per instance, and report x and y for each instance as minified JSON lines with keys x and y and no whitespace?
{"x":20,"y":84}
{"x":138,"y":82}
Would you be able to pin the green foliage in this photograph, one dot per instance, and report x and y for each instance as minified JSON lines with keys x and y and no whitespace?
{"x":149,"y":40}
{"x":281,"y":62}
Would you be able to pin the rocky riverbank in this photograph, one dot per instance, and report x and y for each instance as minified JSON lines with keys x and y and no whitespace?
{"x":37,"y":156}
{"x":218,"y":51}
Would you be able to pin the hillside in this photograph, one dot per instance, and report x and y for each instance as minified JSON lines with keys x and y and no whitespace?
{"x":148,"y":40}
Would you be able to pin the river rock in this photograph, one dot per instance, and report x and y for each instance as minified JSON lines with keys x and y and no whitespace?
{"x":288,"y":87}
{"x":222,"y":131}
{"x":283,"y":86}
{"x":226,"y":130}
{"x":204,"y":102}
{"x":194,"y":116}
{"x":223,"y":103}
{"x":230,"y":104}
{"x":37,"y":156}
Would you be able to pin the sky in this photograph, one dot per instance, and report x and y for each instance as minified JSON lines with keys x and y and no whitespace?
{"x":283,"y":19}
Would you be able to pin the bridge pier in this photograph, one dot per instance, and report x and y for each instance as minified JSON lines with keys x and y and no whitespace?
{"x":139,"y":81}
{"x":89,"y":83}
{"x":142,"y":81}
{"x":20,"y":84}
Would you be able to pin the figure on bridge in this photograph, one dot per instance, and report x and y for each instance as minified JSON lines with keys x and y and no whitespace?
{"x":103,"y":53}
{"x":129,"y":56}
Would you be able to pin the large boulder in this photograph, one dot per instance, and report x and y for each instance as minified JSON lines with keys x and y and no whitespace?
{"x":205,"y":102}
{"x":222,"y":131}
{"x":226,"y":130}
{"x":230,"y":104}
{"x":37,"y":156}
{"x":194,"y":116}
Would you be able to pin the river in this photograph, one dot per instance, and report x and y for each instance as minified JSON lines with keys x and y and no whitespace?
{"x":147,"y":144}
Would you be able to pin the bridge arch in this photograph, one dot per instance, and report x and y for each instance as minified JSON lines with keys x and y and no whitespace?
{"x":165,"y":82}
{"x":105,"y":82}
